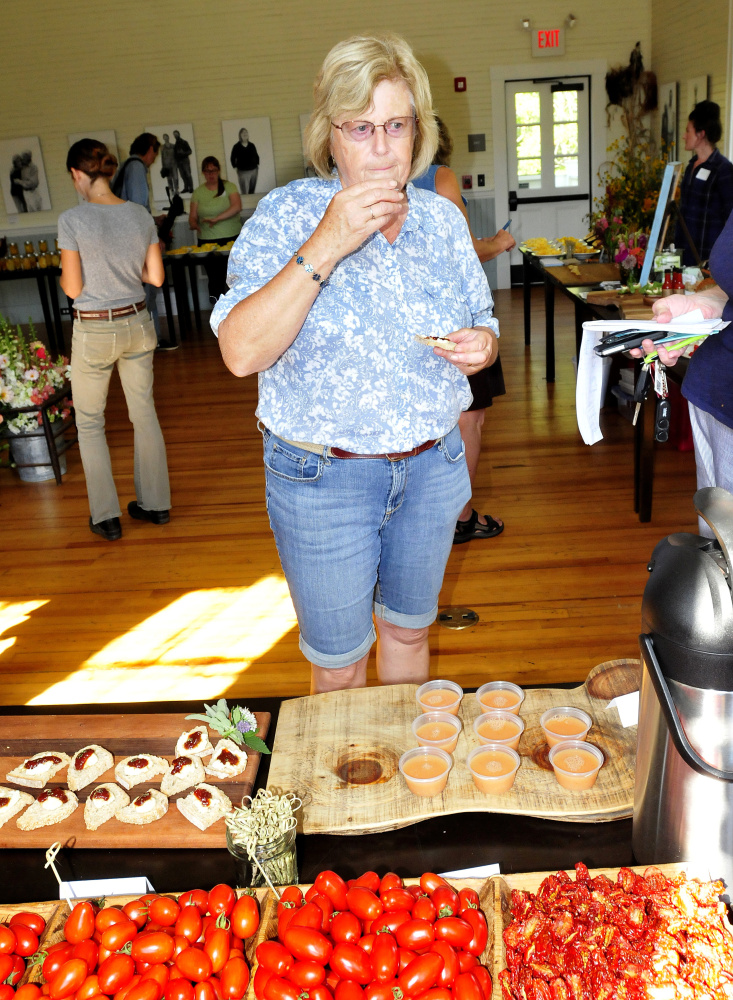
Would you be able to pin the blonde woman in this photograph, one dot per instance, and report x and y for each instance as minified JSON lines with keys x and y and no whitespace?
{"x":330,"y":282}
{"x":109,"y":247}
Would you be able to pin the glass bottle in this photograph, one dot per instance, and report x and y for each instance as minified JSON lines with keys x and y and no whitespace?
{"x":667,"y":283}
{"x":43,"y":246}
{"x":29,"y":248}
{"x":13,"y":250}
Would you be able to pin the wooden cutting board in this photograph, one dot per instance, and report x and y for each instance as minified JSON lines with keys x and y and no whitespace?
{"x":339,"y":752}
{"x":591,"y":273}
{"x":531,"y":881}
{"x":122,"y":735}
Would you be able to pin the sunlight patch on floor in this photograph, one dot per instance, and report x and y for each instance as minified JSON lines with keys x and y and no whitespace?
{"x":193,"y":649}
{"x":15,"y":614}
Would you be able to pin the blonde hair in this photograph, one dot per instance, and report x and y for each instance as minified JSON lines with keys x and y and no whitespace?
{"x":345,"y":86}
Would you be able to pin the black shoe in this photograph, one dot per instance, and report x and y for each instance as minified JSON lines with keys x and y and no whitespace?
{"x":167,"y":345}
{"x":110,"y":529}
{"x":154,"y":516}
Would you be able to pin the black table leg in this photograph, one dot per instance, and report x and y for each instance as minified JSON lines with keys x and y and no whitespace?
{"x":581,"y":311}
{"x":549,"y":330}
{"x":47,"y":318}
{"x":527,"y":293}
{"x":169,"y":313}
{"x":193,"y":278}
{"x":180,"y":290}
{"x":51,"y":443}
{"x":58,"y":326}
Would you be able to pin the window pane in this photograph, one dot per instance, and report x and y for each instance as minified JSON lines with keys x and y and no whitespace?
{"x":566,"y":171}
{"x":565,"y":139}
{"x":565,"y":106}
{"x":527,"y":108}
{"x":529,"y":142}
{"x":529,"y":173}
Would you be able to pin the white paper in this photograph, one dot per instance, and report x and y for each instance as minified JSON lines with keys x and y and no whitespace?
{"x":688,"y":324}
{"x":628,"y":708}
{"x":97,"y":887}
{"x":702,"y":174}
{"x":483,"y":871}
{"x":589,"y":387}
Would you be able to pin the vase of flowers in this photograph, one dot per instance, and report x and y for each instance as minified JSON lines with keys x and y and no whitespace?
{"x":29,"y":377}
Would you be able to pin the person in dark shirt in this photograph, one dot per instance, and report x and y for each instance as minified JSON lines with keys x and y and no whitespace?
{"x":246,"y":161}
{"x":706,"y":193}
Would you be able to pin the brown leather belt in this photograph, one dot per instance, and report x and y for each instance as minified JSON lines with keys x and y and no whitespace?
{"x":393,"y":456}
{"x":111,"y":313}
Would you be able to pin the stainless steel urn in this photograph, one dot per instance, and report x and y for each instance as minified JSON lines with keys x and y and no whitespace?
{"x":683,"y":802}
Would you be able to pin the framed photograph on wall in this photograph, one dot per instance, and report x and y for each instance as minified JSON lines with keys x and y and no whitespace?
{"x":175,"y":170}
{"x":105,"y":135}
{"x":23,"y":177}
{"x":668,"y":120}
{"x":248,"y":150}
{"x":697,"y":90}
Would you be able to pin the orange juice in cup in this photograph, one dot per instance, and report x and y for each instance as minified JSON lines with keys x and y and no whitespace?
{"x":565,"y":723}
{"x":425,"y":770}
{"x":502,"y":695}
{"x":493,"y":767}
{"x":437,"y":729}
{"x":439,"y":696}
{"x":499,"y":727}
{"x":576,"y":764}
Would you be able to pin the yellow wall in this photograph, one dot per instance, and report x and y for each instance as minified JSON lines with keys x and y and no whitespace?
{"x":125,"y":64}
{"x":688,"y":41}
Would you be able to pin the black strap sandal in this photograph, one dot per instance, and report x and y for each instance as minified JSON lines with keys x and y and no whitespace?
{"x":473,"y":528}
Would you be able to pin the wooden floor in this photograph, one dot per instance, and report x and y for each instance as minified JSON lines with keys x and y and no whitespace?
{"x":199,"y":608}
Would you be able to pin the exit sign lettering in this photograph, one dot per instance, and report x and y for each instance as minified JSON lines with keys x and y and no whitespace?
{"x":548,"y":42}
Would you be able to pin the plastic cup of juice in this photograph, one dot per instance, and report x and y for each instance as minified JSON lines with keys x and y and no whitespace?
{"x":437,"y":729}
{"x":576,"y":764}
{"x":425,"y":769}
{"x":504,"y":695}
{"x":493,"y":767}
{"x":439,"y":696}
{"x":565,"y":723}
{"x":499,"y":727}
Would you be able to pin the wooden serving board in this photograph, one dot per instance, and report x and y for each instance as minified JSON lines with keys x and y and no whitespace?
{"x":531,"y":881}
{"x":591,"y":273}
{"x":122,"y":735}
{"x":339,"y":752}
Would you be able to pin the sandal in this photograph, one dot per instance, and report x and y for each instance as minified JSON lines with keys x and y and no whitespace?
{"x":473,"y":528}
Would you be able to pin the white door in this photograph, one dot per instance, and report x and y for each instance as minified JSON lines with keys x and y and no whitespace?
{"x":548,"y":158}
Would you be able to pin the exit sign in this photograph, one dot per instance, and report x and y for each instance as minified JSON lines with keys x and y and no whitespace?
{"x":548,"y":42}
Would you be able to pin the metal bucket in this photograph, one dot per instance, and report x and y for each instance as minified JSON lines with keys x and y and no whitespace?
{"x":30,"y":452}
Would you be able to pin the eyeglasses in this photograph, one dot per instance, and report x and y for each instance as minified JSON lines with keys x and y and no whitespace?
{"x":395,"y":128}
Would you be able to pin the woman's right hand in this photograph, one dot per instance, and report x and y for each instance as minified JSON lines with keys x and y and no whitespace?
{"x":353,"y":214}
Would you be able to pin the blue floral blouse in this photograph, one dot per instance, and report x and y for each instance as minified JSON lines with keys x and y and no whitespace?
{"x":355,"y":377}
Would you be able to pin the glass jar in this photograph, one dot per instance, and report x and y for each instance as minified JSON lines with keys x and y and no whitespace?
{"x":56,"y":258}
{"x":12,"y":250}
{"x":42,"y":246}
{"x":29,"y":248}
{"x":277,"y":858}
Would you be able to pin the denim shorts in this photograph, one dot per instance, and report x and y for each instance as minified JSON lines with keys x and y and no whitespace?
{"x":362,"y":537}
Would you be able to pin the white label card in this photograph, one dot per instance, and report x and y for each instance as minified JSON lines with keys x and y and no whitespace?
{"x":702,"y":174}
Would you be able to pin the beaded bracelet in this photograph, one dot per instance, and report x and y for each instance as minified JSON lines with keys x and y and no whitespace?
{"x":309,"y":268}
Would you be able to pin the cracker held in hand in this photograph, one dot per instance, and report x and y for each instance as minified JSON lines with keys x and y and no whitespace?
{"x":88,"y":765}
{"x":103,"y":803}
{"x":204,"y":805}
{"x":184,"y":771}
{"x":138,"y":768}
{"x":146,"y":808}
{"x":227,"y":760}
{"x":36,"y":770}
{"x":195,"y":743}
{"x":12,"y":801}
{"x":54,"y":805}
{"x":446,"y":345}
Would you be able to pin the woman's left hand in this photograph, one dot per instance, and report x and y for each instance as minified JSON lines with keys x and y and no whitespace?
{"x":476,"y":349}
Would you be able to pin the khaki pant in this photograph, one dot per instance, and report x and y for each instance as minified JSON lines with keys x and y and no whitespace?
{"x":96,"y":346}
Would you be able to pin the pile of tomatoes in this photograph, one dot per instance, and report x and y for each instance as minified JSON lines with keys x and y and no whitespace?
{"x":375,"y":939}
{"x":18,"y":942}
{"x":153,"y":948}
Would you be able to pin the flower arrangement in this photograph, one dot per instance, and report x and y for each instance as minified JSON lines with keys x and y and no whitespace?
{"x":28,"y":377}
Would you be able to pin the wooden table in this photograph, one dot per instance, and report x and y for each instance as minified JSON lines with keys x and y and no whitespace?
{"x":443,"y":843}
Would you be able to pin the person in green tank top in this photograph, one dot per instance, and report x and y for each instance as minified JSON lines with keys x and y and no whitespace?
{"x":214,"y":216}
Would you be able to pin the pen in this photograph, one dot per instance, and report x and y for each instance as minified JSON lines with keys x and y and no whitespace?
{"x":507,"y":224}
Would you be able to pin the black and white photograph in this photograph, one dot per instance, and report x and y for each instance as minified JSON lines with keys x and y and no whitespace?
{"x":175,"y":170}
{"x":308,"y":168}
{"x":668,"y":120}
{"x":105,"y":135}
{"x":697,"y":90}
{"x":22,"y":176}
{"x":250,"y":159}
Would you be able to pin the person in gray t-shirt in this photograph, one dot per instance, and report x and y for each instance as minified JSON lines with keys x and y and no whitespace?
{"x":109,"y":247}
